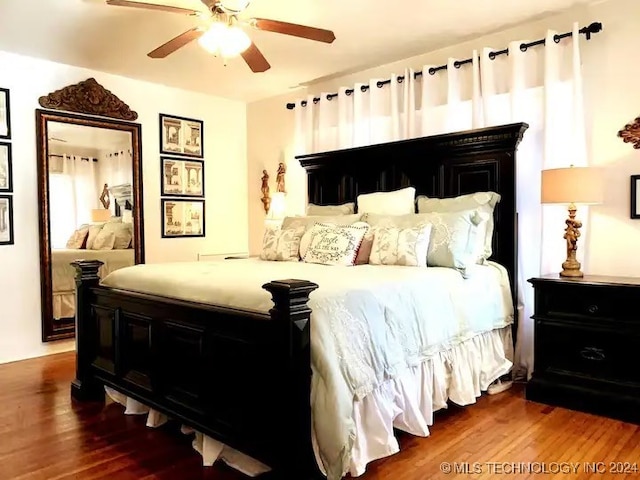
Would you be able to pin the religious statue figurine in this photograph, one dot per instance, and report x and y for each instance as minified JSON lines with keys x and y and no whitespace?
{"x":280,"y":178}
{"x":266,"y":198}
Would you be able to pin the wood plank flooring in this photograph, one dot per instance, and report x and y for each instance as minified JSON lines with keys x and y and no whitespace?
{"x":46,"y":436}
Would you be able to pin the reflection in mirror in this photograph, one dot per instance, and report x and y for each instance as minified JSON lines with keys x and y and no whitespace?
{"x":90,"y":193}
{"x":90,"y":205}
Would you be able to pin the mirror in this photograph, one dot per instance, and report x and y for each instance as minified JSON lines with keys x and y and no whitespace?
{"x":90,"y":195}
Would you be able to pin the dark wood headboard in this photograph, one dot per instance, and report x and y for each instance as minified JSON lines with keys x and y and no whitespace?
{"x":437,"y":166}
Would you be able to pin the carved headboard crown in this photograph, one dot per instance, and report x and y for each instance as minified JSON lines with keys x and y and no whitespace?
{"x":90,"y":98}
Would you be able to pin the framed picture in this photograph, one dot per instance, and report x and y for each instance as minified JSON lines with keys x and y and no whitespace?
{"x":5,"y":114}
{"x":182,"y":218}
{"x":6,"y":172}
{"x":181,"y":136}
{"x":635,"y":201}
{"x":181,"y":177}
{"x":6,"y":220}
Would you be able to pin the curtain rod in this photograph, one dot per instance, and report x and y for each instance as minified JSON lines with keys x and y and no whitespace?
{"x":81,"y":158}
{"x":595,"y":27}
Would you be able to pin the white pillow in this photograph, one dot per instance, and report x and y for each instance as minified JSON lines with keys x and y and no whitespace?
{"x":309,"y":221}
{"x":484,"y":201}
{"x":398,"y":202}
{"x":335,"y":244}
{"x":281,"y":245}
{"x":323,"y":210}
{"x":401,"y":246}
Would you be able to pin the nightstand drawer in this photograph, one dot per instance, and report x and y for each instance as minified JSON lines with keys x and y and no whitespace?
{"x":595,"y":353}
{"x":586,"y":302}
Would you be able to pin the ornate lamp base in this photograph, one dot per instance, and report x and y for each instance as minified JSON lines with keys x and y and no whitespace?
{"x":571,"y":266}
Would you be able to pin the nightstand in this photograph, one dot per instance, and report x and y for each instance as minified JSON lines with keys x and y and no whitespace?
{"x":587,"y":345}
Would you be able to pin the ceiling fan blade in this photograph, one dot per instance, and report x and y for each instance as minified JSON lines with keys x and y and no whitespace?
{"x":255,"y":59}
{"x":151,"y":6}
{"x":176,"y":43}
{"x":302,"y":31}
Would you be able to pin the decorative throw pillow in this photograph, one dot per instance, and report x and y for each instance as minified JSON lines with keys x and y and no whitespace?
{"x":335,"y":244}
{"x":104,"y":241}
{"x":364,"y":252}
{"x":325,"y":210}
{"x":281,"y":245}
{"x":309,"y":222}
{"x":123,"y":233}
{"x":483,"y":201}
{"x":401,"y":246}
{"x":94,"y":230}
{"x":454,"y":238}
{"x":78,"y":239}
{"x":397,"y":202}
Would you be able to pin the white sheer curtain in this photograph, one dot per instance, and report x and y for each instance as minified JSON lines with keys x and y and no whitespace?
{"x":540,"y":86}
{"x":73,"y":193}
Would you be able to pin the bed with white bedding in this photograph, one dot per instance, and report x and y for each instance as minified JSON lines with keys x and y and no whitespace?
{"x":63,"y":274}
{"x":227,"y":348}
{"x":374,"y":330}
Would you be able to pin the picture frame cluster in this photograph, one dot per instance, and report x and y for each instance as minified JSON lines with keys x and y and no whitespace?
{"x":6,"y":170}
{"x":182,"y":176}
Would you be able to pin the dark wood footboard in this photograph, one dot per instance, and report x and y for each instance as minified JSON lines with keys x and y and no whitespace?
{"x":241,"y":377}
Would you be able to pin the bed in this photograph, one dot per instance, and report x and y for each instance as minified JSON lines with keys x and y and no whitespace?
{"x":63,"y":274}
{"x":235,"y":364}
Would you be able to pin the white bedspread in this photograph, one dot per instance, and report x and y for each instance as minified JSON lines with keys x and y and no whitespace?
{"x":369,"y":323}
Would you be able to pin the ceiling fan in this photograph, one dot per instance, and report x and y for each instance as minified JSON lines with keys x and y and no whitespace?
{"x":221,"y":33}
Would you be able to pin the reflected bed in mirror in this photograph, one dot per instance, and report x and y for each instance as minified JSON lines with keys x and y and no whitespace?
{"x":89,"y":186}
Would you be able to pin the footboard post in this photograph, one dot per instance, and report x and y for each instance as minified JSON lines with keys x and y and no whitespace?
{"x":84,"y":386}
{"x":292,"y":313}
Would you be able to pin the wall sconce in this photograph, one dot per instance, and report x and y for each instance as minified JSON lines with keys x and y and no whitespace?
{"x":278,"y":207}
{"x":266,"y":198}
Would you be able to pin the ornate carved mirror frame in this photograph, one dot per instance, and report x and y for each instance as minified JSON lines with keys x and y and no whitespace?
{"x":89,"y":104}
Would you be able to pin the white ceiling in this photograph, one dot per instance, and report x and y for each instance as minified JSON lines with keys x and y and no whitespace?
{"x":61,"y":134}
{"x":91,"y":34}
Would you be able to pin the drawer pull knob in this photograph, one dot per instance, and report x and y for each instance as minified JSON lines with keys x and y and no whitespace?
{"x":593,"y":354}
{"x":592,"y":308}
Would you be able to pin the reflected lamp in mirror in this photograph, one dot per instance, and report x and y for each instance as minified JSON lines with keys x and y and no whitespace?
{"x":100,"y":215}
{"x":278,"y":207}
{"x":571,"y":186}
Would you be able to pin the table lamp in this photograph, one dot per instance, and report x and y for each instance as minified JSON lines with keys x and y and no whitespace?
{"x":581,"y":185}
{"x":99,"y":215}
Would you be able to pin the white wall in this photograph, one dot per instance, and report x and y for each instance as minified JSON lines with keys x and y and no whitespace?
{"x":612,"y":97}
{"x":225,"y":187}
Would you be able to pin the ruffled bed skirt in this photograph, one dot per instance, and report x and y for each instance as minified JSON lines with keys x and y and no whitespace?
{"x":406,"y":402}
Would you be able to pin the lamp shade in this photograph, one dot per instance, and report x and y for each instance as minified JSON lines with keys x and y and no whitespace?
{"x":572,"y":185}
{"x":100,"y":215}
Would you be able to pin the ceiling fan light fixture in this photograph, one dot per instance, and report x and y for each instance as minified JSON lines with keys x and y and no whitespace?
{"x":234,"y":6}
{"x":225,"y":40}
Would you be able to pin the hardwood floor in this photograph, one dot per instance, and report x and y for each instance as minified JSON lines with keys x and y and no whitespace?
{"x":46,"y":436}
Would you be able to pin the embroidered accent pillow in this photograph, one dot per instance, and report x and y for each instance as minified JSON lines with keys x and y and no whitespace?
{"x":401,"y":246}
{"x":309,"y":222}
{"x":485,"y":202}
{"x":335,"y":244}
{"x":454,"y":238}
{"x":281,"y":245}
